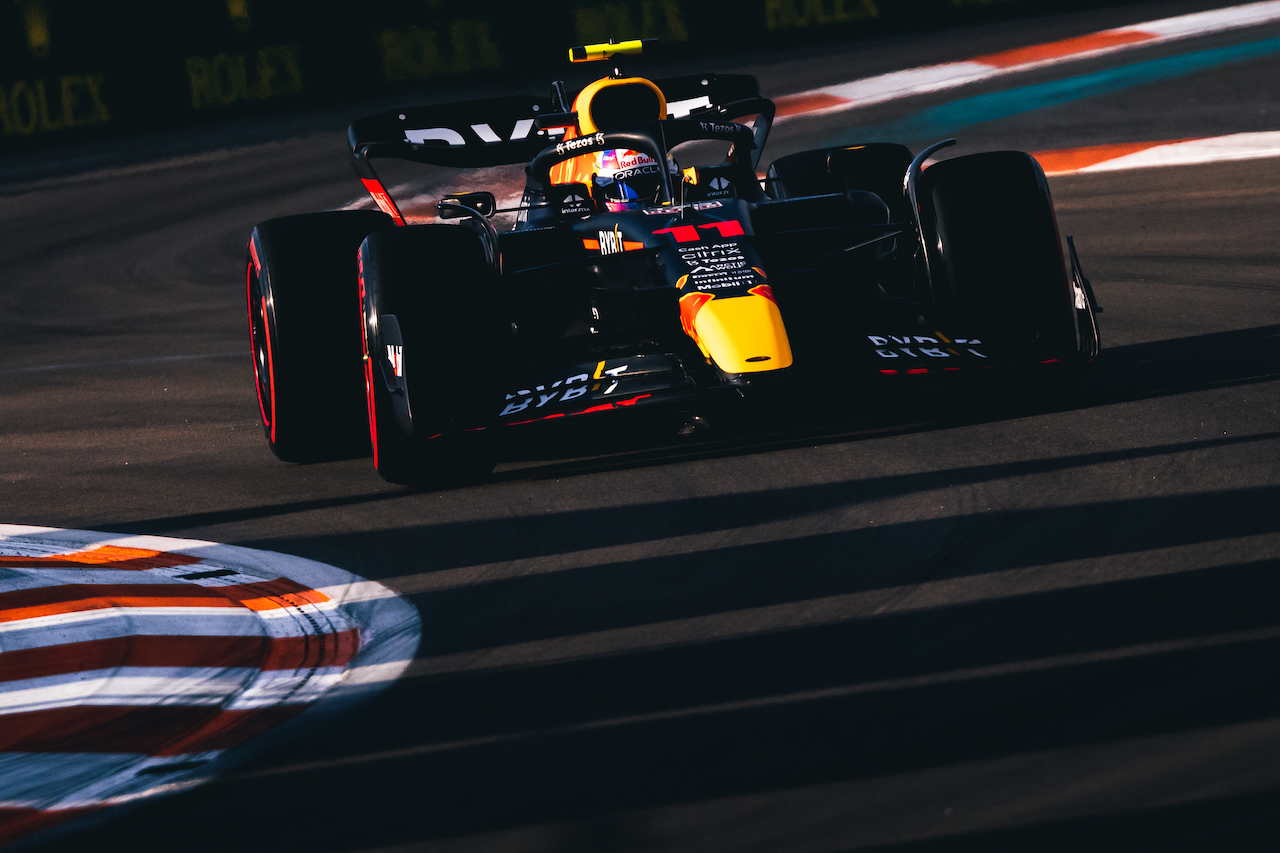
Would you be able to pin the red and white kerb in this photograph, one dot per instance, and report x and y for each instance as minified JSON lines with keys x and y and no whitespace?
{"x":135,"y":666}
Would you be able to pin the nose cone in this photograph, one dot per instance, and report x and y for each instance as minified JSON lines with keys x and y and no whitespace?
{"x":741,"y":334}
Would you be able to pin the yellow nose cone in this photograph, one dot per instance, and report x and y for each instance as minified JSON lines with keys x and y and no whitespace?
{"x":743,"y":334}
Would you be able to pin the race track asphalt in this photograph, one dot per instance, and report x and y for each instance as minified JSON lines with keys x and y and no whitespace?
{"x":973,"y":621}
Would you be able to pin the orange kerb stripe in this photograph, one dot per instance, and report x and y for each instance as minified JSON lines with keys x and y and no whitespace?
{"x":105,"y":557}
{"x":73,"y":598}
{"x":1065,"y":47}
{"x":270,"y":595}
{"x":792,"y":104}
{"x":1071,"y":159}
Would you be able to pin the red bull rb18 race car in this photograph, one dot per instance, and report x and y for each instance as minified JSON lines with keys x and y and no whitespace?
{"x":638,"y":261}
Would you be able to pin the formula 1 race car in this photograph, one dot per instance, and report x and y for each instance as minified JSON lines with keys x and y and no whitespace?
{"x":642,"y":262}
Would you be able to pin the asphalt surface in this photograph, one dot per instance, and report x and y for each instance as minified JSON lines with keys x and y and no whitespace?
{"x":976,"y":621}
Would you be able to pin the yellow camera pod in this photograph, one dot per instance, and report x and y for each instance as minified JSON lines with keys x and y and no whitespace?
{"x":607,"y":50}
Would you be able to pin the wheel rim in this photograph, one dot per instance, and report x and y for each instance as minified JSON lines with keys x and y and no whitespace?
{"x":260,"y":341}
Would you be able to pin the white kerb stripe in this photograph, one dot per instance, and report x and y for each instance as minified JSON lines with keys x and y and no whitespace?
{"x":357,"y":591}
{"x":912,"y":81}
{"x":1238,"y":146}
{"x":236,"y":687}
{"x":111,"y":624}
{"x":41,"y":578}
{"x":59,"y":620}
{"x":1212,"y":21}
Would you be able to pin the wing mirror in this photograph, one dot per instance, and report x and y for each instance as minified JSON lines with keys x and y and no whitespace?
{"x":482,"y":202}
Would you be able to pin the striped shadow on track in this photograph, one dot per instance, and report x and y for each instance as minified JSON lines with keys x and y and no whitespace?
{"x":834,"y":609}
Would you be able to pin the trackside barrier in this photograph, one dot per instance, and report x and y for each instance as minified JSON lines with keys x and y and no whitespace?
{"x":75,"y":70}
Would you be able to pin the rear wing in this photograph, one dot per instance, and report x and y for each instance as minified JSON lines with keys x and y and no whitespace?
{"x":717,"y":92}
{"x":468,"y":134}
{"x":504,"y":131}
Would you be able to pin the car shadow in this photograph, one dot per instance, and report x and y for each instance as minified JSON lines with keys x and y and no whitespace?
{"x":1122,"y":374}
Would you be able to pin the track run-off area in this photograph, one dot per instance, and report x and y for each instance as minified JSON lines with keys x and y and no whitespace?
{"x":959,"y":620}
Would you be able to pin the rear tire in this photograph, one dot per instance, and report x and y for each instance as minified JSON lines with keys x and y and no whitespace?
{"x":996,"y":256}
{"x":434,"y":346}
{"x":304,"y":331}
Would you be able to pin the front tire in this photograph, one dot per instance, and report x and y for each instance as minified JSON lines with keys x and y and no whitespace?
{"x":433,"y":346}
{"x":995,"y":255}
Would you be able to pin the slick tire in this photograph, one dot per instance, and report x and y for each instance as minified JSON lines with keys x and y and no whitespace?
{"x":433,"y":343}
{"x":304,"y":329}
{"x":995,"y":253}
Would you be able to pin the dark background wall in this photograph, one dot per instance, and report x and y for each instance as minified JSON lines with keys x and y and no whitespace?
{"x":74,"y":70}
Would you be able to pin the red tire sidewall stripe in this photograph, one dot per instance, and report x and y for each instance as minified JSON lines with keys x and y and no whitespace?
{"x":368,"y":361}
{"x":266,"y":334}
{"x":271,"y":367}
{"x":251,"y":270}
{"x":256,"y":268}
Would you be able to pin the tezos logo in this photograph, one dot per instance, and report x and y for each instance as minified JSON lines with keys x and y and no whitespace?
{"x":713,"y":127}
{"x":580,"y":142}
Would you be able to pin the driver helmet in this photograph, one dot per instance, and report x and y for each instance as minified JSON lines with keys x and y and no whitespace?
{"x":626,"y":179}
